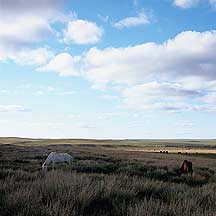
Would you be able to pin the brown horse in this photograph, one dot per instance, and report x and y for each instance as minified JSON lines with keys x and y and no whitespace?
{"x":185,"y":168}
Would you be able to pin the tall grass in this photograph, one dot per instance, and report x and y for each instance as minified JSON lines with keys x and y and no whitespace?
{"x":105,"y":185}
{"x":69,"y":193}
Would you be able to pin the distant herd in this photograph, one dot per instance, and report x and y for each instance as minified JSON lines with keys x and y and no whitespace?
{"x":166,"y":152}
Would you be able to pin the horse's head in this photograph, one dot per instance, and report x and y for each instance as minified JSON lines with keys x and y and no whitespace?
{"x":43,"y":166}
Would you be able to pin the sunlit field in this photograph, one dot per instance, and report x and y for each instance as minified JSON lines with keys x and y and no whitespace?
{"x":105,"y":179}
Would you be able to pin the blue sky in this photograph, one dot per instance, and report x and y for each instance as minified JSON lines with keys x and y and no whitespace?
{"x":108,"y":69}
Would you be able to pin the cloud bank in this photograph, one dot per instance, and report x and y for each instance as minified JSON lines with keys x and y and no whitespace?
{"x":178,"y":74}
{"x":23,"y":25}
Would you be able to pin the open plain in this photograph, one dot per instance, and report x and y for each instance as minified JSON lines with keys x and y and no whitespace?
{"x":107,"y":177}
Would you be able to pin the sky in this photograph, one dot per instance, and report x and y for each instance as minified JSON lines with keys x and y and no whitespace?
{"x":132,"y":69}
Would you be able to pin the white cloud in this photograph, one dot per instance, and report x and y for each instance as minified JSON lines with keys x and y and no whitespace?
{"x":13,"y":108}
{"x":172,"y":90}
{"x":23,"y":31}
{"x":64,"y":64}
{"x":24,"y":55}
{"x":140,"y":73}
{"x":41,"y":7}
{"x":189,"y":54}
{"x":82,"y":32}
{"x":210,"y":97}
{"x":185,"y":4}
{"x":37,"y":56}
{"x":23,"y":25}
{"x":170,"y":97}
{"x":141,"y":19}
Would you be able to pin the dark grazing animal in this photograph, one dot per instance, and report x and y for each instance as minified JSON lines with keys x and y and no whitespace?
{"x":185,"y":168}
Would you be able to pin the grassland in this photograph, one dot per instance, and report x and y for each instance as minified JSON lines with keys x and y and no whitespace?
{"x":108,"y":177}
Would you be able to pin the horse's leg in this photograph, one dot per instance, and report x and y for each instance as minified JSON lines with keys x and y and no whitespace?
{"x":69,"y":163}
{"x":53,"y":165}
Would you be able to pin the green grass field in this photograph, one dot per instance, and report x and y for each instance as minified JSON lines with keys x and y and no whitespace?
{"x":107,"y":177}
